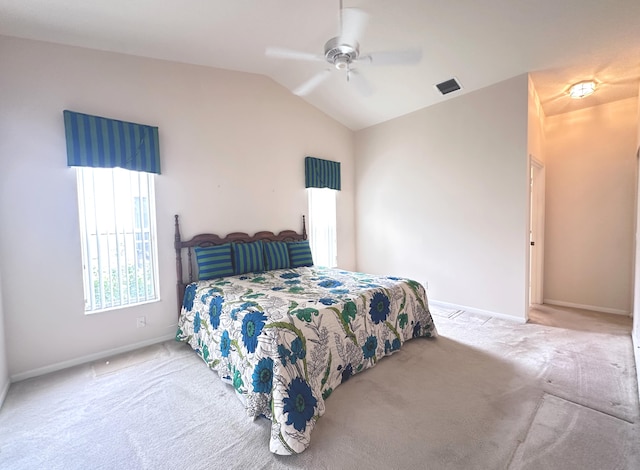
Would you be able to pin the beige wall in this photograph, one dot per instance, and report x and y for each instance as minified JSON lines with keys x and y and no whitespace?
{"x":232,"y":150}
{"x":590,"y":203}
{"x":442,"y":197}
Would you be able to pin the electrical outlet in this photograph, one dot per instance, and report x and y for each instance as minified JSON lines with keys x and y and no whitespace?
{"x":141,"y":322}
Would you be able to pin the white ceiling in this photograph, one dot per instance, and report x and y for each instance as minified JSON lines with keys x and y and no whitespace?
{"x":478,"y":42}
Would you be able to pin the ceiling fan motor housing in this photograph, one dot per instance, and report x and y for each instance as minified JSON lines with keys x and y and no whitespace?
{"x":339,"y":54}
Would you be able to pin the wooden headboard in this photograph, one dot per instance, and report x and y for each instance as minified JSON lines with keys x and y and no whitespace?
{"x":210,"y":239}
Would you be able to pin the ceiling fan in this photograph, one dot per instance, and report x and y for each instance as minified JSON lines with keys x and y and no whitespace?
{"x":343,"y":53}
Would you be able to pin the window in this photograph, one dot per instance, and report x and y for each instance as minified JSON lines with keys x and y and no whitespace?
{"x":322,"y":226}
{"x":118,"y":236}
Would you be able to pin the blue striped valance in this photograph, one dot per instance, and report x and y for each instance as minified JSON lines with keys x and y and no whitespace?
{"x":320,"y":173}
{"x":107,"y":143}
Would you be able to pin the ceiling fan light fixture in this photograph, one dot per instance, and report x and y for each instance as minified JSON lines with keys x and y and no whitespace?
{"x":581,"y":90}
{"x":340,"y":54}
{"x":342,"y":62}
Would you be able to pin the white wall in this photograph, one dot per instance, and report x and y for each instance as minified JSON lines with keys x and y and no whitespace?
{"x":4,"y":366}
{"x":232,"y":152}
{"x":442,"y":197}
{"x":590,"y":204}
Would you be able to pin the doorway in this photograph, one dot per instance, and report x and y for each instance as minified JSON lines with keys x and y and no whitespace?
{"x":536,"y":232}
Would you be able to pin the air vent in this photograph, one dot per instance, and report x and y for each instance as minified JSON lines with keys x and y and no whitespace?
{"x":448,"y":86}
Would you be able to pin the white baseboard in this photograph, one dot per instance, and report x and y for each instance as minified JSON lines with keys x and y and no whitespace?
{"x":3,"y":392}
{"x":485,"y":313}
{"x":561,"y":303}
{"x":89,"y":358}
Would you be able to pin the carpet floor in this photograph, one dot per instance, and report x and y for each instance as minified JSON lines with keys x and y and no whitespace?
{"x":557,"y":393}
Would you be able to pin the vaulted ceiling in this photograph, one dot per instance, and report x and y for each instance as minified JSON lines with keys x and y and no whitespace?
{"x":478,"y":42}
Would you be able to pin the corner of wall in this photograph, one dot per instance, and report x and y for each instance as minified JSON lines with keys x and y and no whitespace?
{"x":635,"y":334}
{"x":4,"y":368}
{"x":3,"y":391}
{"x":535,"y":123}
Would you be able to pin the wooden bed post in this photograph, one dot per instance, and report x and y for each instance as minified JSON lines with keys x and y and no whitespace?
{"x":178,"y":247}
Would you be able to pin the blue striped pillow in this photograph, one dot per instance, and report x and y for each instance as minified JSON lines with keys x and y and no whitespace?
{"x":276,"y":255}
{"x":300,"y":254}
{"x":248,"y":257}
{"x":214,"y":261}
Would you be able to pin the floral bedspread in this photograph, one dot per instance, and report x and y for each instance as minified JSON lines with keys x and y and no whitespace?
{"x":285,"y":339}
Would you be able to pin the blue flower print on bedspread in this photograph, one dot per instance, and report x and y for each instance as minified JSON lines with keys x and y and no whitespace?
{"x":390,"y":346}
{"x":370,"y":346}
{"x":196,"y":323}
{"x":339,"y":291}
{"x":379,"y":307}
{"x":252,"y":324}
{"x":283,"y":353}
{"x":243,"y":306}
{"x":327,"y":301}
{"x":215,"y":309}
{"x":347,"y":372}
{"x":225,"y":344}
{"x":189,"y":297}
{"x":330,"y":283}
{"x":263,"y":376}
{"x":300,"y":404}
{"x":289,"y":275}
{"x":297,"y":352}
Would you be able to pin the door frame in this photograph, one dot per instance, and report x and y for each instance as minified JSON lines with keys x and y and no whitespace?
{"x":536,"y":229}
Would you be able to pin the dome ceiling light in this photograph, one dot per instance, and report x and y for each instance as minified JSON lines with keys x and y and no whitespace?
{"x":582,"y":89}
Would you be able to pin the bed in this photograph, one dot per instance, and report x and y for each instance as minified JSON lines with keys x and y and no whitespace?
{"x":286,"y":337}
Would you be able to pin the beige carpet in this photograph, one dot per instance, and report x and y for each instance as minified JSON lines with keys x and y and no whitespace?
{"x":566,"y":432}
{"x":486,"y":394}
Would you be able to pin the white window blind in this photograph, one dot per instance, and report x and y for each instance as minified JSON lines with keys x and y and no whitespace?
{"x":322,"y":226}
{"x":118,"y":236}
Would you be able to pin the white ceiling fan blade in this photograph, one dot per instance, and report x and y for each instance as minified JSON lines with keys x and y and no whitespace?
{"x":354,"y":21}
{"x":282,"y":53}
{"x":405,"y":57}
{"x":308,"y":86}
{"x":360,"y":83}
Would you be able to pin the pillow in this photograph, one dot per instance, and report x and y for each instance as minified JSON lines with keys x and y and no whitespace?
{"x":248,"y":257}
{"x":300,"y":254}
{"x":276,"y":255}
{"x":214,"y":261}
